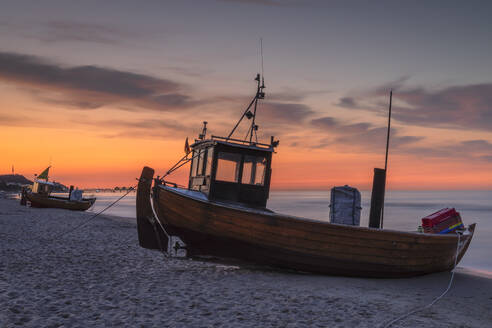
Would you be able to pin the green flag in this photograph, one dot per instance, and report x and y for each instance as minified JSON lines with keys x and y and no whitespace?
{"x":44,"y":174}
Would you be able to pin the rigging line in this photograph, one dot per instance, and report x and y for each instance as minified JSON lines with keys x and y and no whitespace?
{"x":175,"y":166}
{"x":434,"y":301}
{"x":244,"y":114}
{"x":98,"y":213}
{"x":182,"y":159}
{"x":247,"y":134}
{"x":86,"y":221}
{"x":164,"y":253}
{"x":258,"y":90}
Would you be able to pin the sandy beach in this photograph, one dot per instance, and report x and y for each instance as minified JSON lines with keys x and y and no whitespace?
{"x":98,"y":276}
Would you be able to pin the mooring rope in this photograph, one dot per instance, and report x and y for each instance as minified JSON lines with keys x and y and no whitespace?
{"x":157,"y":236}
{"x":72,"y":229}
{"x":97,"y":214}
{"x":389,"y":324}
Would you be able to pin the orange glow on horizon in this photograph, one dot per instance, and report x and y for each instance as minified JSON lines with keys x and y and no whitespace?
{"x":88,"y":161}
{"x":86,"y":150}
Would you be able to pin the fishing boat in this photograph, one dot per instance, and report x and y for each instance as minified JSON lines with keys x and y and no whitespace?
{"x":41,"y":196}
{"x":223,"y":213}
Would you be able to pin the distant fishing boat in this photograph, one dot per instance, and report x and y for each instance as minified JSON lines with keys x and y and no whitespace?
{"x":223,"y":213}
{"x":40,"y":196}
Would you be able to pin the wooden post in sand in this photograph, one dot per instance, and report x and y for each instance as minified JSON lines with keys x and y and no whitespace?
{"x":149,"y":235}
{"x":377,"y":198}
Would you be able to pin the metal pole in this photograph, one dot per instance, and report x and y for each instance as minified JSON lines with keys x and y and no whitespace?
{"x":388,"y":134}
{"x":386,"y":157}
{"x":256,"y":104}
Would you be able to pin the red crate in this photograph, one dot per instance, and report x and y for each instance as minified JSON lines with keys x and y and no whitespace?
{"x":443,"y":221}
{"x":438,"y":217}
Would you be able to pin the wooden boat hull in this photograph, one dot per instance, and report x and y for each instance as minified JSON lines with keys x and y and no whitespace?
{"x":265,"y":237}
{"x":38,"y":200}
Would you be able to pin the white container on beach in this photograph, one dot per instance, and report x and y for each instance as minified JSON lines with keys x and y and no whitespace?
{"x":345,"y":206}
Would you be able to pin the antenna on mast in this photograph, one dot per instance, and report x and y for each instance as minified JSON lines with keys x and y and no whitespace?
{"x":260,"y":94}
{"x":261,"y":55}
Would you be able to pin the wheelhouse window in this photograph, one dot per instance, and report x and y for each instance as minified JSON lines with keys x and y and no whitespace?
{"x":254,"y":168}
{"x":210,"y":156}
{"x":201,"y":169}
{"x":194,"y":163}
{"x":228,"y":167}
{"x":201,"y":161}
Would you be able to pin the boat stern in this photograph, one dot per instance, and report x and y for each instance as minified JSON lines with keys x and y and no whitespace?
{"x":150,"y":234}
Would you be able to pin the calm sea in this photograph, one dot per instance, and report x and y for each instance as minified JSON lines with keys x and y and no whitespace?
{"x":403,"y":211}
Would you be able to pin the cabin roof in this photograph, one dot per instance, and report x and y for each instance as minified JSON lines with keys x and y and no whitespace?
{"x":245,"y":146}
{"x":234,"y":143}
{"x":44,"y":182}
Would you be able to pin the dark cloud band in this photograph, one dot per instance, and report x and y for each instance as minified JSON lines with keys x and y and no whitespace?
{"x":465,"y":106}
{"x":92,"y":84}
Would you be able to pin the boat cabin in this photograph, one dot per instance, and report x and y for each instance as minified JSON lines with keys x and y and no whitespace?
{"x":42,"y":187}
{"x":232,"y":170}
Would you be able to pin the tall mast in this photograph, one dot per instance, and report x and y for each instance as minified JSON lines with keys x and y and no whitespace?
{"x":386,"y":157}
{"x":259,"y":95}
{"x":388,"y":134}
{"x":249,"y":115}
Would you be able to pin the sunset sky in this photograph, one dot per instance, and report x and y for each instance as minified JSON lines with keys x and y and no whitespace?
{"x":101,"y":88}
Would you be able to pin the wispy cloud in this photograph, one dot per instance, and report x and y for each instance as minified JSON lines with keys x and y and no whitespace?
{"x":274,"y":115}
{"x":93,"y":86}
{"x":114,"y":128}
{"x":362,"y":135}
{"x":328,"y":123}
{"x":189,"y":71}
{"x":171,"y":125}
{"x":63,"y":101}
{"x":65,"y":31}
{"x":468,"y":106}
{"x":367,"y":138}
{"x":348,"y":102}
{"x":294,"y":94}
{"x":12,"y":120}
{"x":135,"y":129}
{"x":471,"y":150}
{"x":275,"y":3}
{"x":462,"y":106}
{"x":290,"y":113}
